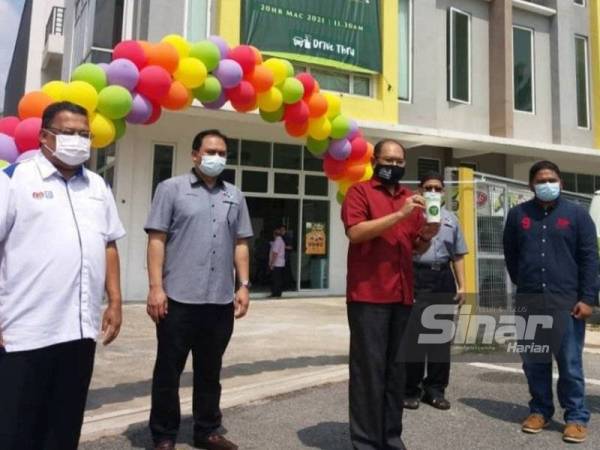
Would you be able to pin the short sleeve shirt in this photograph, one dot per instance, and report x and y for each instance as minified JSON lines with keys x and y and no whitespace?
{"x":448,"y":244}
{"x":53,"y":238}
{"x":278,"y":247}
{"x":202,"y":227}
{"x":380,"y":270}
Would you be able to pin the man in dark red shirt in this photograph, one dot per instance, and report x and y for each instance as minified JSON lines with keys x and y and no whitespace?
{"x":386,"y":227}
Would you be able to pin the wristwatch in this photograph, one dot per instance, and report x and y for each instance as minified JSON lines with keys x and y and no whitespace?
{"x":246,"y":284}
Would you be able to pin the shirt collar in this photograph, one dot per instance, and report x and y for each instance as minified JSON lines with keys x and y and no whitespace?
{"x":195,"y":179}
{"x":552,"y":205}
{"x":377,"y":184}
{"x":47,"y":169}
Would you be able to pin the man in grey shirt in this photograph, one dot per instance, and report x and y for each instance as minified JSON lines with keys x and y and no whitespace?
{"x":198,"y":229}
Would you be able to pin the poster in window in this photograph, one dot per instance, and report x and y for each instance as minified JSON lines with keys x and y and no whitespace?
{"x":315,"y":239}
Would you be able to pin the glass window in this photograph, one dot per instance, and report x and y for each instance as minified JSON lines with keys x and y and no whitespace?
{"x":141,"y":15}
{"x":579,"y":2}
{"x":311,"y":162}
{"x":426,"y":165}
{"x":254,"y":181}
{"x":597,"y":183}
{"x":233,"y":151}
{"x":569,"y":181}
{"x":315,"y":185}
{"x":581,"y":73}
{"x":162,"y":167}
{"x":99,"y":56}
{"x":108,"y":23}
{"x":459,"y":56}
{"x":228,"y":175}
{"x":256,"y":153}
{"x":287,"y":183}
{"x":197,"y":20}
{"x":332,"y":81}
{"x":361,"y":85}
{"x":585,"y":183}
{"x":287,"y":156}
{"x":315,"y":244}
{"x":523,"y":69}
{"x":404,"y":49}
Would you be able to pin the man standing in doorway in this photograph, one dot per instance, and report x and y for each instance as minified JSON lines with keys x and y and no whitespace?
{"x":288,"y":277}
{"x":58,"y":255}
{"x":385,"y":225}
{"x":198,"y":229}
{"x":551,"y":253}
{"x":439,"y":279}
{"x":277,"y":261}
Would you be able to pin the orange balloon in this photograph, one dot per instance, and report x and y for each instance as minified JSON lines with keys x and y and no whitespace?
{"x":366,"y":158}
{"x":33,"y":104}
{"x":354,"y":172}
{"x":317,"y":88}
{"x":296,"y":129}
{"x":177,"y":98}
{"x":317,"y":105}
{"x":257,"y":55}
{"x":163,"y":54}
{"x":261,"y":78}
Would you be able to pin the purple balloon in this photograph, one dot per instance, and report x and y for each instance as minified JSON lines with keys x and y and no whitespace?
{"x":221,"y":43}
{"x":141,"y":110}
{"x":354,"y":131}
{"x":340,"y":149}
{"x":229,"y":73}
{"x":27,"y":155}
{"x":123,"y":73}
{"x":217,"y":104}
{"x":8,"y":148}
{"x":103,"y":66}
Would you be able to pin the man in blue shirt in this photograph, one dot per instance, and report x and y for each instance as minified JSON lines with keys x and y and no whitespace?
{"x":551,"y":252}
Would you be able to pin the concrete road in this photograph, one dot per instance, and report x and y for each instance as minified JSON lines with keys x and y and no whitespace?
{"x":488,"y":402}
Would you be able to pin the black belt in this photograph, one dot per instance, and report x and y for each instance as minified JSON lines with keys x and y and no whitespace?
{"x":437,"y":267}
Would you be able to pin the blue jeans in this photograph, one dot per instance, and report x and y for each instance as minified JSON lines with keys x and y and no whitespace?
{"x":571,"y":382}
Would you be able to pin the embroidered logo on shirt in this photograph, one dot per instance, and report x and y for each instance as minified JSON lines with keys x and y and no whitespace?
{"x":562,"y":223}
{"x":526,"y":223}
{"x":42,"y":195}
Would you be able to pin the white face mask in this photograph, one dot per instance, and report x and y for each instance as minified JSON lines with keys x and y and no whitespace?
{"x":212,"y":165}
{"x":73,"y":150}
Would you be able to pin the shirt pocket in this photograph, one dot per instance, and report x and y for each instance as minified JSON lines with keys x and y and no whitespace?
{"x":93,"y":215}
{"x":232,"y":209}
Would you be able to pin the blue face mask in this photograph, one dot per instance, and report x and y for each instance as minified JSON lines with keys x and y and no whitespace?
{"x":547,"y":192}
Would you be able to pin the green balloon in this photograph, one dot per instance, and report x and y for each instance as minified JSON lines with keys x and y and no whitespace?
{"x":292,"y":90}
{"x":207,"y":52}
{"x":210,"y":91}
{"x":317,"y":147}
{"x":340,"y":127}
{"x":290,"y":68}
{"x":120,"y":128}
{"x":340,"y":197}
{"x":272,"y":117}
{"x":92,"y":74}
{"x":4,"y":164}
{"x":114,"y":102}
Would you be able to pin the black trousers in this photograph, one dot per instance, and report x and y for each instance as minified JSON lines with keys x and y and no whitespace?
{"x":43,"y":394}
{"x":431,"y":288}
{"x":204,"y":330}
{"x":376,"y":374}
{"x":277,"y":281}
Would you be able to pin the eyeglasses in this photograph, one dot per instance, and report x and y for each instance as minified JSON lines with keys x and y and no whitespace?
{"x":83,"y":133}
{"x":433,"y":189}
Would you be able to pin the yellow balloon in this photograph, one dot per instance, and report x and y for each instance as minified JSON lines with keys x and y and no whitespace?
{"x":181,"y":45}
{"x":103,"y":131}
{"x":343,"y":186}
{"x":319,"y":128}
{"x":279,"y":69}
{"x":191,"y":72}
{"x":271,"y":100}
{"x":83,"y":94}
{"x":55,"y":89}
{"x":368,"y":172}
{"x":334,"y":105}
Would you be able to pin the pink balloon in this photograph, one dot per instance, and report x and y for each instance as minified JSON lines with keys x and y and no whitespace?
{"x":27,"y":134}
{"x":154,"y":82}
{"x":8,"y":148}
{"x":8,"y":125}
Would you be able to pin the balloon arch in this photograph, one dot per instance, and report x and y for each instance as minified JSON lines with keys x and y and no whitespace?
{"x":143,"y":78}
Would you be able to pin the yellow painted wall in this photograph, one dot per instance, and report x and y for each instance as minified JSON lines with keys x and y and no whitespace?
{"x":381,"y":108}
{"x":466,"y":216}
{"x":595,"y":65}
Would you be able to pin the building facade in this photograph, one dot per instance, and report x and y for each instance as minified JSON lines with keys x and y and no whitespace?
{"x":492,"y":85}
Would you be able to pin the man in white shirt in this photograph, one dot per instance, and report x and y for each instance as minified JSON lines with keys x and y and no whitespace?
{"x":58,"y":227}
{"x":277,"y":263}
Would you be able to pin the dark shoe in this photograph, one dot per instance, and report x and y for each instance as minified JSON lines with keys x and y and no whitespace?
{"x":215,"y":442}
{"x":437,"y":402}
{"x":411,"y":403}
{"x":165,"y":445}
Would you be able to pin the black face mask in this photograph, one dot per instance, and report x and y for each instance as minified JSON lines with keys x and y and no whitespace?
{"x":389,"y":174}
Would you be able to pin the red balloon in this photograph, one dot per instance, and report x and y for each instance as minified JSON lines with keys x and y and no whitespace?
{"x":156,"y":113}
{"x":359,"y":149}
{"x":244,"y":56}
{"x":296,"y":129}
{"x":154,"y":82}
{"x":244,"y":107}
{"x":243,"y":94}
{"x":297,"y":113}
{"x":308,"y":82}
{"x":27,"y":134}
{"x":131,"y":50}
{"x":333,"y":168}
{"x":8,"y":125}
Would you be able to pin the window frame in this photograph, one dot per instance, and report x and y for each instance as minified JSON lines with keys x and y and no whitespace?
{"x":533,"y":84}
{"x":209,"y":17}
{"x":587,"y":82}
{"x":351,"y":75}
{"x":450,"y":51}
{"x":409,"y":100}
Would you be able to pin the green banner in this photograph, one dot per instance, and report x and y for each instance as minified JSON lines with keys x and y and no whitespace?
{"x":342,"y":33}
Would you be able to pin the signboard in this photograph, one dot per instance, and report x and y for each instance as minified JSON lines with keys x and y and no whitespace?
{"x":339,"y":33}
{"x":315,"y":239}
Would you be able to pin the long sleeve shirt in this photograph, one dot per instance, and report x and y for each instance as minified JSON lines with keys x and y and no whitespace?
{"x":552,"y":251}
